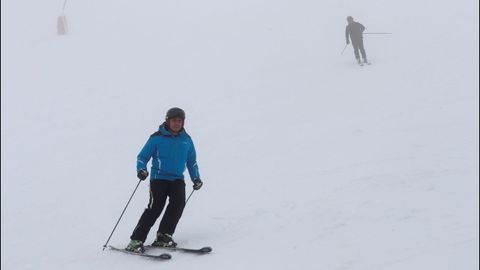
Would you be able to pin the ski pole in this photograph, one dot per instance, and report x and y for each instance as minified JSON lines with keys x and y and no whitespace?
{"x":377,"y":33}
{"x":64,"y":4}
{"x":104,"y":246}
{"x":344,"y":48}
{"x":189,"y":197}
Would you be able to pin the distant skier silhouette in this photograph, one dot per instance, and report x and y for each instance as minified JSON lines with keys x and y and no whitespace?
{"x":354,"y":30}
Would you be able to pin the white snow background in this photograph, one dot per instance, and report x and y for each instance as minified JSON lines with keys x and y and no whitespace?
{"x":309,"y":161}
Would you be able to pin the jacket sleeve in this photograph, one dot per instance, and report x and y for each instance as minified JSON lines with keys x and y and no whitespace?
{"x":347,"y":32}
{"x":145,"y":154}
{"x":362,"y":28}
{"x":192,"y":165}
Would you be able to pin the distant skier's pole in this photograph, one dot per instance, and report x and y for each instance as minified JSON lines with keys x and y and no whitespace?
{"x":344,"y":48}
{"x":64,"y":4}
{"x":189,"y":196}
{"x":377,"y":33}
{"x":104,"y":246}
{"x":62,"y":21}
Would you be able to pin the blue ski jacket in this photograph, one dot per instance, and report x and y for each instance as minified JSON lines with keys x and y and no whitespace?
{"x":170,"y":156}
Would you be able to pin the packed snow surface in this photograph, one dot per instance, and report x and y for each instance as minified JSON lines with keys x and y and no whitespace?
{"x":309,"y":161}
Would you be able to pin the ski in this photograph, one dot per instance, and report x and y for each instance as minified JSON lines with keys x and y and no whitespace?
{"x":203,"y":250}
{"x":163,"y":256}
{"x":364,"y":63}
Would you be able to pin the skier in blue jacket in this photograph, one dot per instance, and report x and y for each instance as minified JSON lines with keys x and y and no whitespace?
{"x":171,"y":150}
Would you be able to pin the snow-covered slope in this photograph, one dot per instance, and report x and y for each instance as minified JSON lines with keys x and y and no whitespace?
{"x":309,"y":161}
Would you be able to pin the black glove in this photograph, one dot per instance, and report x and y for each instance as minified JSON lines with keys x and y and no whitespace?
{"x":142,"y":174}
{"x":197,"y":184}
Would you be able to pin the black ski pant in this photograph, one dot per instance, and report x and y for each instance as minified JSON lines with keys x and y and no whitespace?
{"x":358,"y":46}
{"x":159,"y":191}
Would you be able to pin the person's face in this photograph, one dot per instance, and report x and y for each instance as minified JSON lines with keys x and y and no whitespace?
{"x":175,"y":124}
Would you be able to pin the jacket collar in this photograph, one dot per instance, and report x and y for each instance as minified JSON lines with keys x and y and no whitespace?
{"x":164,"y":130}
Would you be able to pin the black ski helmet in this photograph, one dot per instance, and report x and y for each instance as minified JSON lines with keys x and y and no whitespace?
{"x":175,"y":113}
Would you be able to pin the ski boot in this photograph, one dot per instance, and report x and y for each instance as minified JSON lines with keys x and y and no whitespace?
{"x":164,"y":240}
{"x":366,"y":61}
{"x":135,"y":246}
{"x":359,"y":61}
